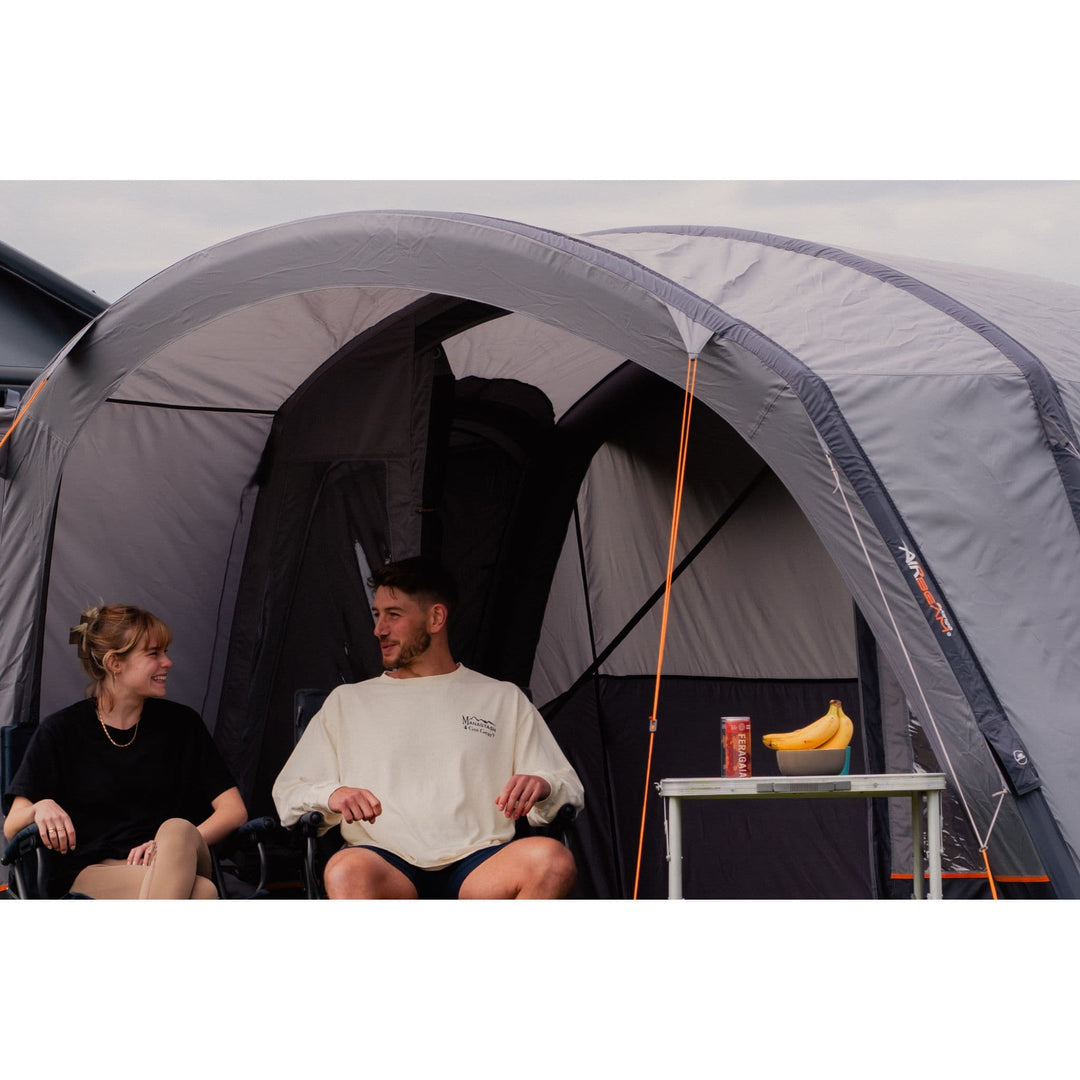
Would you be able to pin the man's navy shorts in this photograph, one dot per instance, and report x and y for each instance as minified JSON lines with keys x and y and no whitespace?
{"x":443,"y":882}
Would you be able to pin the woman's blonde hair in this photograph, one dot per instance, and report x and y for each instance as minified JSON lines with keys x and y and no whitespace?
{"x":113,"y":630}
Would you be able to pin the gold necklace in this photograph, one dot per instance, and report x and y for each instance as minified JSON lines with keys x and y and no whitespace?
{"x":120,"y":745}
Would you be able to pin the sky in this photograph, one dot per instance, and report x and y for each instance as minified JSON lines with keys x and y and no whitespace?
{"x":108,"y":236}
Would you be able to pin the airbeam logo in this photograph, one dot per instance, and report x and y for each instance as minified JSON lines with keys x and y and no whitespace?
{"x":940,"y":617}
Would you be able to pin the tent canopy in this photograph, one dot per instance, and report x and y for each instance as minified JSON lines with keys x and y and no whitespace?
{"x":234,"y":442}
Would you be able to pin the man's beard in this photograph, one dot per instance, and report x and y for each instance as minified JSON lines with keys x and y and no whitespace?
{"x":409,"y":650}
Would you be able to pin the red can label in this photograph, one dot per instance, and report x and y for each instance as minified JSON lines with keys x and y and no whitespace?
{"x":736,"y":745}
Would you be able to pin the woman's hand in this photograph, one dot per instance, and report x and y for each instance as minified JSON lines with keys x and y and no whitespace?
{"x":57,"y":831}
{"x":142,"y":855}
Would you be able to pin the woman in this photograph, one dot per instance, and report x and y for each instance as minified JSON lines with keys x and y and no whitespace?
{"x":115,"y":783}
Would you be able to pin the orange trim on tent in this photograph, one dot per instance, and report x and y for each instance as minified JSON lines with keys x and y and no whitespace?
{"x":1014,"y":879}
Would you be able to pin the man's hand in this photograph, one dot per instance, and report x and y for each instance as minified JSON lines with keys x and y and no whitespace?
{"x":354,"y":804}
{"x":521,"y":794}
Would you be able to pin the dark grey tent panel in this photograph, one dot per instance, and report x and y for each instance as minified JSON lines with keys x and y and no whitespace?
{"x":872,"y":441}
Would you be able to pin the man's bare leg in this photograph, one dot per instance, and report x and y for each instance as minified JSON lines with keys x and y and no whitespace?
{"x":359,"y":874}
{"x":535,"y":868}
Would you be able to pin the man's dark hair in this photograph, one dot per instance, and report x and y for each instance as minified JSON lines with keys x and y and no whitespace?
{"x":420,"y":577}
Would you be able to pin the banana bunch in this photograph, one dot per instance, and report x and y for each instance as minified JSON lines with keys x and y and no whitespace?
{"x":832,"y":731}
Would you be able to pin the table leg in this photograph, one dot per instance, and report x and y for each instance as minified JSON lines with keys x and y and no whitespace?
{"x":675,"y":848}
{"x":933,"y":842}
{"x":918,"y":889}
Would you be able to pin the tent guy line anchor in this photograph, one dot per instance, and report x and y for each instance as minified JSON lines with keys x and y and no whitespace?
{"x":983,"y":841}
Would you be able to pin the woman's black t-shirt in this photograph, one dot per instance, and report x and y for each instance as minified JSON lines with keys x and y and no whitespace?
{"x":117,"y":797}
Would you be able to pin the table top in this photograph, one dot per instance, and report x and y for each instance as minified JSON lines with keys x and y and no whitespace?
{"x":861,"y":786}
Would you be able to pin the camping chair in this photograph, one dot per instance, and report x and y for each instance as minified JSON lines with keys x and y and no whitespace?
{"x":27,"y":857}
{"x":317,"y":849}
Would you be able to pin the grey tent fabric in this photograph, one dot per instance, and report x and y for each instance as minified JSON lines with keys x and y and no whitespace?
{"x":891,"y":433}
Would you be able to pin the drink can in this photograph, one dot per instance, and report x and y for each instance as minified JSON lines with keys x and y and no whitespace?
{"x":736,"y":745}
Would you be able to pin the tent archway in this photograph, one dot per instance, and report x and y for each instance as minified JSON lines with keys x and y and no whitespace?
{"x":197,"y":374}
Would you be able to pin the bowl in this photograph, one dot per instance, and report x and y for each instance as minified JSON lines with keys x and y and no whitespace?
{"x":812,"y":762}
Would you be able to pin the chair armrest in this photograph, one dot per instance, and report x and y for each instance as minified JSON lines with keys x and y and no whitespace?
{"x":257,"y":829}
{"x":26,"y":840}
{"x":309,"y":826}
{"x":252,"y":834}
{"x":556,"y":828}
{"x":562,"y":821}
{"x":24,"y":845}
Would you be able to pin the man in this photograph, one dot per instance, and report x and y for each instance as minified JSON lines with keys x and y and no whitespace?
{"x":427,"y":767}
